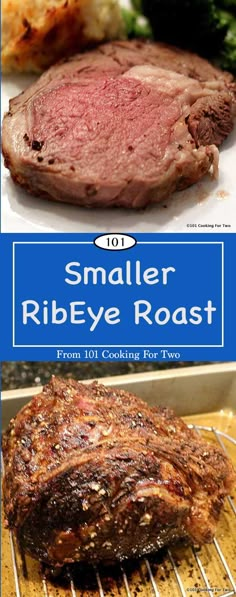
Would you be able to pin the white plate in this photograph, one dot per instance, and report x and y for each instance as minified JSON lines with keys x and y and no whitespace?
{"x":209,"y":205}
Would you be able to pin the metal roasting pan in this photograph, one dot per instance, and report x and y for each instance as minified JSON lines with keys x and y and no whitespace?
{"x":206,"y":397}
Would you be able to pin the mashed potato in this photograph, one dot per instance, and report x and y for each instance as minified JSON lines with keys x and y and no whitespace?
{"x":36,"y":33}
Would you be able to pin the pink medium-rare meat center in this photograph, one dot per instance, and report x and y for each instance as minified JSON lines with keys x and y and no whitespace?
{"x":126,"y":124}
{"x":102,"y":125}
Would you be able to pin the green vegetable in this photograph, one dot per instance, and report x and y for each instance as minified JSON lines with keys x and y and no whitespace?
{"x":226,"y":18}
{"x":142,"y":28}
{"x":227,"y":58}
{"x":205,"y":26}
{"x":129,"y":17}
{"x":137,"y":4}
{"x":194,"y":24}
{"x":136,"y":25}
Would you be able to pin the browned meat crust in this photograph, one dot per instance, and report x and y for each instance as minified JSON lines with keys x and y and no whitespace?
{"x":93,"y":473}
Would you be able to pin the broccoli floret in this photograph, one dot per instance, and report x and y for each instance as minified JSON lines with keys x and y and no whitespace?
{"x":137,"y":4}
{"x":194,"y":24}
{"x":228,"y":54}
{"x":142,"y":28}
{"x":129,"y":17}
{"x":135,"y":24}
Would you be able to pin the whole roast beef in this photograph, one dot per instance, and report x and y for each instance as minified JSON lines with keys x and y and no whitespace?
{"x":125,"y":124}
{"x":93,"y":473}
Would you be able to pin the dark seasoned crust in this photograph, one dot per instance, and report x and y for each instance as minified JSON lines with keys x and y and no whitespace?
{"x":93,"y":473}
{"x":211,"y":122}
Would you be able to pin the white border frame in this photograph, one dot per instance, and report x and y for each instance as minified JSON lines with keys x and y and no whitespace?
{"x":14,"y":345}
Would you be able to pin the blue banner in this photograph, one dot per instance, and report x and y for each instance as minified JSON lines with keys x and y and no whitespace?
{"x":167,"y":297}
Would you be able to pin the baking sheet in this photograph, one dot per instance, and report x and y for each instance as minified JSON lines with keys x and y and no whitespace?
{"x":209,"y":205}
{"x":179,"y":571}
{"x":189,"y":390}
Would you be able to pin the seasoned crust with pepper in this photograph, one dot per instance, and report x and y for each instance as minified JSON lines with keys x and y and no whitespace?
{"x":37,"y":33}
{"x":93,"y":473}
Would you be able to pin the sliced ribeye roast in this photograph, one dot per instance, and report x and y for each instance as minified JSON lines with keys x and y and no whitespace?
{"x":125,"y":124}
{"x":93,"y":473}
